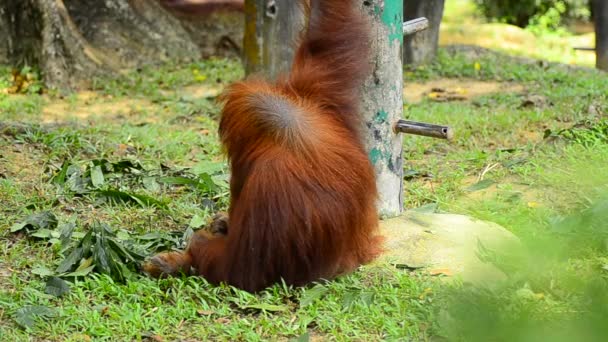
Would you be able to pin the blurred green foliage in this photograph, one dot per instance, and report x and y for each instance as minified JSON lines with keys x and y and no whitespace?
{"x":522,"y":13}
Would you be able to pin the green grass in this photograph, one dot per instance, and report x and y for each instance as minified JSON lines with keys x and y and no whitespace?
{"x":546,"y":191}
{"x":463,"y":24}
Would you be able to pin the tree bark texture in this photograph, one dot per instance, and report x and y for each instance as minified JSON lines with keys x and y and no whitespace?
{"x":73,"y":41}
{"x":272,"y":28}
{"x":382,"y":102}
{"x":218,"y":33}
{"x":421,"y":48}
{"x":3,"y":36}
{"x":600,"y":12}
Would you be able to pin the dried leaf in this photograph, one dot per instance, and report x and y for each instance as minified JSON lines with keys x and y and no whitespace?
{"x":205,"y":312}
{"x":266,"y":307}
{"x":441,"y":271}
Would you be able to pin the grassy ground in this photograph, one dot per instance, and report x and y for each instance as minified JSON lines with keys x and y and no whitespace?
{"x":462,"y":24}
{"x":530,"y":153}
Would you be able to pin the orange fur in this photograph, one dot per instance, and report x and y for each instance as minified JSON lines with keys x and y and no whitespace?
{"x":303,"y":190}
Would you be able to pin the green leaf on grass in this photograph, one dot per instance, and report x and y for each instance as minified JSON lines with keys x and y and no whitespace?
{"x":41,"y":220}
{"x":126,"y":197}
{"x":197,"y":221}
{"x":312,"y":294}
{"x":178,"y":181}
{"x":60,"y":177}
{"x":80,"y":272}
{"x":305,"y":337}
{"x":208,"y":167}
{"x":45,"y":234}
{"x":206,"y":183}
{"x":57,"y":287}
{"x":26,"y":316}
{"x":266,"y":307}
{"x":42,"y":271}
{"x":483,"y":184}
{"x":70,"y":260}
{"x":101,"y":257}
{"x":151,"y":184}
{"x":66,"y":231}
{"x":97,"y":178}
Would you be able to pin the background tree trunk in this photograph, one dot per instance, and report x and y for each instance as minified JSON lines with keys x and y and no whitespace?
{"x":73,"y":41}
{"x":421,"y":47}
{"x":600,"y":13}
{"x":382,"y":102}
{"x":216,"y":26}
{"x":271,"y":31}
{"x":3,"y":36}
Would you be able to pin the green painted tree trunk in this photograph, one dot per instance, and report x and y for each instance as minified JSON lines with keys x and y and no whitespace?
{"x":382,"y":102}
{"x":271,"y":31}
{"x":268,"y":47}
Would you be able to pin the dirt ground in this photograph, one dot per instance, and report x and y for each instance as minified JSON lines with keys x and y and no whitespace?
{"x":90,"y":104}
{"x":415,"y":92}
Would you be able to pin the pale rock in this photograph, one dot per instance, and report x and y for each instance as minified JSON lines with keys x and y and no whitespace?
{"x":446,"y":244}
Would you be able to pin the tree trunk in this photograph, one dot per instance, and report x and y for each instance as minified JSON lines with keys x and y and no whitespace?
{"x":73,"y":41}
{"x":271,"y":28}
{"x":3,"y":36}
{"x":421,"y":47}
{"x":271,"y":31}
{"x":216,"y":26}
{"x":382,"y":102}
{"x":600,"y":13}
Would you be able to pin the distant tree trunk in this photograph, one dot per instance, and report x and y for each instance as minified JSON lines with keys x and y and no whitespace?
{"x":74,"y":40}
{"x":216,"y":26}
{"x":421,"y":47}
{"x":600,"y":13}
{"x":382,"y":99}
{"x":271,"y":31}
{"x":3,"y":36}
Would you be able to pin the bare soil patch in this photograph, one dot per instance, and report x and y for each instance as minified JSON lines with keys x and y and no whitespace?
{"x":415,"y":92}
{"x":88,"y":104}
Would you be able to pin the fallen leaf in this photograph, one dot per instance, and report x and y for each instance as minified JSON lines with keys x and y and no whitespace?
{"x":81,"y":337}
{"x":57,"y":287}
{"x":152,"y":337}
{"x":222,"y":320}
{"x":441,"y":271}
